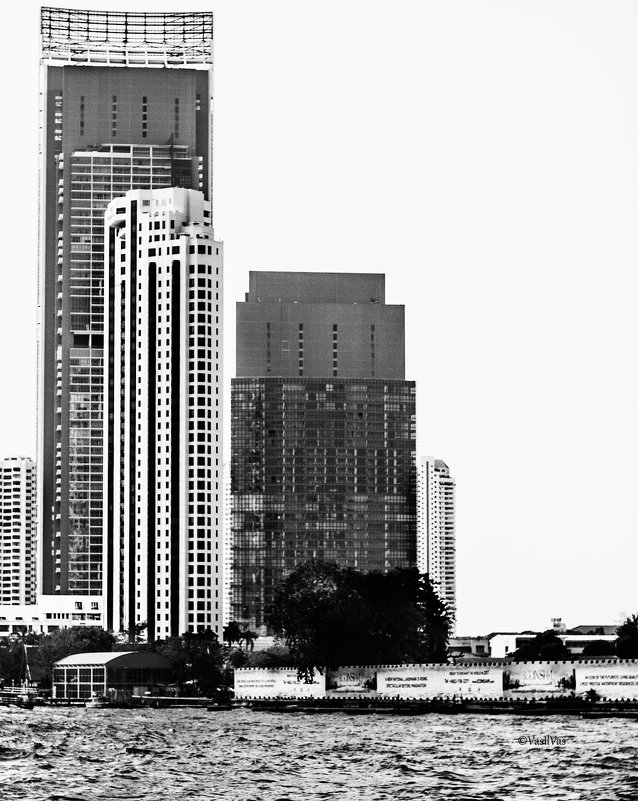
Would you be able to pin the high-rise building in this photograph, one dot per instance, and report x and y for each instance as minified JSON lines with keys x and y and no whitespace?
{"x":436,"y":535}
{"x":323,"y":434}
{"x":163,"y":423}
{"x":18,"y":542}
{"x":126,"y":103}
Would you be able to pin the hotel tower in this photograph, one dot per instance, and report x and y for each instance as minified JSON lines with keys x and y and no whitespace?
{"x":125,"y":104}
{"x":162,"y":434}
{"x":436,"y":530}
{"x":323,"y":434}
{"x":18,"y":544}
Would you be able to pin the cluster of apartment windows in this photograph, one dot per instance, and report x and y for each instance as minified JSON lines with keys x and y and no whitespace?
{"x":17,"y":531}
{"x":95,"y":178}
{"x":372,"y":351}
{"x":203,"y":442}
{"x":335,"y":350}
{"x":57,"y":117}
{"x":114,"y":116}
{"x":300,"y":355}
{"x":144,"y":117}
{"x":156,"y":316}
{"x":85,"y":471}
{"x":320,"y":470}
{"x":268,"y":348}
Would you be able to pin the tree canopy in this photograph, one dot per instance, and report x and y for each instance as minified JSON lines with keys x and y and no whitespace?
{"x":627,"y":642}
{"x":546,"y":646}
{"x":600,"y":648}
{"x":329,"y":616}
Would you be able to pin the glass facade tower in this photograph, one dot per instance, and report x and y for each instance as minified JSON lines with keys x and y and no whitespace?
{"x":126,"y":103}
{"x":323,"y":434}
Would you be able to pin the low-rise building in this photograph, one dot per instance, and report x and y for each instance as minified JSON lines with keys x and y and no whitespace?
{"x":50,"y":613}
{"x":459,"y":647}
{"x":503,"y":644}
{"x":115,"y":675}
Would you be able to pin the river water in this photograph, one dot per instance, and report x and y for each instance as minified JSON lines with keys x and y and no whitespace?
{"x":75,"y":754}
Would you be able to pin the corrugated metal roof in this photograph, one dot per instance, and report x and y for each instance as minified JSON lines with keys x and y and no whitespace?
{"x":115,"y":659}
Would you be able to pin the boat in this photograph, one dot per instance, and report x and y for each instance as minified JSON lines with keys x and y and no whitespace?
{"x":97,"y":701}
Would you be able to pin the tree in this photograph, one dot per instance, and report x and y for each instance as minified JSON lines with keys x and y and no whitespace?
{"x":600,"y":648}
{"x":329,"y":616}
{"x":74,"y":640}
{"x":232,"y":633}
{"x":248,"y":637}
{"x":11,"y":660}
{"x":270,"y":657}
{"x":627,"y":642}
{"x":197,"y":660}
{"x":546,"y":646}
{"x":134,"y":634}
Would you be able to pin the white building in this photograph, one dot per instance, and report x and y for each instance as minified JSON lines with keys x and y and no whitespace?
{"x":18,"y":531}
{"x":51,"y":612}
{"x":163,"y":423}
{"x":226,"y":571}
{"x":436,"y":545}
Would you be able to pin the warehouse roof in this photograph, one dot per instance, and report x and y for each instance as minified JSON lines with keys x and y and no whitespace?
{"x":116,"y":659}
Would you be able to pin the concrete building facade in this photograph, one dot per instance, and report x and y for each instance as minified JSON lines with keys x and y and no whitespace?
{"x":163,"y":427}
{"x":436,"y":533}
{"x":126,"y":103}
{"x":48,"y":613}
{"x":18,"y":530}
{"x":323,"y":434}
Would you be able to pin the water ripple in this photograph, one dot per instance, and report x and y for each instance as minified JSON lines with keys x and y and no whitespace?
{"x":151,"y":755}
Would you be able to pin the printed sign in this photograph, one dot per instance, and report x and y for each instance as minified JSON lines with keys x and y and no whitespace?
{"x":611,"y":680}
{"x":538,"y":679}
{"x":445,"y":681}
{"x":276,"y":683}
{"x":352,"y":681}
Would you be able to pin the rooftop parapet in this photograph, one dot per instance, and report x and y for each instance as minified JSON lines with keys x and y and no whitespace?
{"x":126,"y":38}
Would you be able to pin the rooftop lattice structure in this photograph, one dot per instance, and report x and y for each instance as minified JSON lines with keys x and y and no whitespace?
{"x":126,"y":38}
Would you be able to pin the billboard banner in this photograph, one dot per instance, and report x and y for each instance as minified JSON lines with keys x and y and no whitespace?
{"x":512,"y":680}
{"x":611,"y":680}
{"x":352,"y":681}
{"x":277,"y":683}
{"x":538,"y":679}
{"x":441,"y":681}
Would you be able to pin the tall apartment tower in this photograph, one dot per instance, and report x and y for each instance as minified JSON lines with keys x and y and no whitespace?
{"x":323,"y":434}
{"x":18,"y":541}
{"x":436,"y":537}
{"x":126,"y":103}
{"x":163,"y":422}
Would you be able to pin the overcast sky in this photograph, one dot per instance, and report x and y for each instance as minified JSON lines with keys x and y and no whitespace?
{"x":484,"y":156}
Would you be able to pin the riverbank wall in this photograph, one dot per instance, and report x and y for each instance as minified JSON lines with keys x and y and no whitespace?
{"x":604,"y":679}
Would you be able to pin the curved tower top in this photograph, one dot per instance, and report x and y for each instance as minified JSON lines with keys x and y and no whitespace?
{"x":127,"y":38}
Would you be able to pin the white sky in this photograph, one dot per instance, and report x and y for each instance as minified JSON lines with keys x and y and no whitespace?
{"x":484,"y":155}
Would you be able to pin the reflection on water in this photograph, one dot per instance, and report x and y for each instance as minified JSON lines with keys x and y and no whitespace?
{"x":81,"y":755}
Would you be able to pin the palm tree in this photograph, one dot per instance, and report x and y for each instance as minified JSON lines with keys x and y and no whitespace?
{"x":232,"y":633}
{"x":249,"y":638}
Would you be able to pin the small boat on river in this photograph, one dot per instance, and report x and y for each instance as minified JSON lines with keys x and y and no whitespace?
{"x":97,"y":701}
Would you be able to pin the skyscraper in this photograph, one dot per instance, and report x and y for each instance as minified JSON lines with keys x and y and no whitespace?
{"x":323,"y":433}
{"x":436,"y":535}
{"x":126,"y":103}
{"x":17,"y":530}
{"x":163,"y":425}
